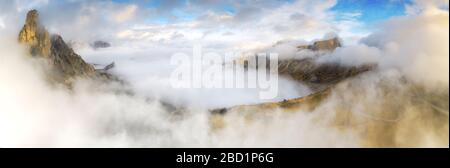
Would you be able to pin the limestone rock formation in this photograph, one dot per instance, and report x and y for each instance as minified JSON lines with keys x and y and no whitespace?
{"x":35,"y":35}
{"x":324,"y":45}
{"x":64,"y":61}
{"x":67,"y":61}
{"x":314,"y":74}
{"x":310,"y":72}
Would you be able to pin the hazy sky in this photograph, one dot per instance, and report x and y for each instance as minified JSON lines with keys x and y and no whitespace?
{"x":227,"y":24}
{"x":408,"y":40}
{"x":368,"y":11}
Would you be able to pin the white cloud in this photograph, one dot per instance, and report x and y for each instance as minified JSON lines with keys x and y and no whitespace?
{"x":417,"y":44}
{"x":2,"y":23}
{"x":92,"y":115}
{"x":273,"y":20}
{"x":427,"y":6}
{"x":126,"y":14}
{"x":254,"y":26}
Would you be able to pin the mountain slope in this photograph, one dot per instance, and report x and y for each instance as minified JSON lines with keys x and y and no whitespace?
{"x":65,"y":63}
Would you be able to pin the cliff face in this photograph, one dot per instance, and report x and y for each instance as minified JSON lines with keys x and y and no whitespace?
{"x":324,"y":45}
{"x":67,"y":61}
{"x":315,"y":74}
{"x":34,"y":35}
{"x":54,"y":50}
{"x":312,"y":73}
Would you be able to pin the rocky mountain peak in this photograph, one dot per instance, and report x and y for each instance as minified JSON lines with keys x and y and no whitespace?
{"x":330,"y":44}
{"x":32,"y":17}
{"x":61,"y":57}
{"x":323,"y":45}
{"x":35,"y":35}
{"x":316,"y":74}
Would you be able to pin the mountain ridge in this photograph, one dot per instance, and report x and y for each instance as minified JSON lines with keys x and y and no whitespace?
{"x":56,"y":52}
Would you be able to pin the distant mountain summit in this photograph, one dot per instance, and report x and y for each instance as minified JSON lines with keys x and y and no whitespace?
{"x":324,"y":45}
{"x":312,"y":73}
{"x":315,"y":74}
{"x":66,"y":63}
{"x":100,"y":44}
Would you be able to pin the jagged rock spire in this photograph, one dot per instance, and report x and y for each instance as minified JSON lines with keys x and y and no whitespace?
{"x":62,"y":58}
{"x":35,"y":35}
{"x":28,"y":34}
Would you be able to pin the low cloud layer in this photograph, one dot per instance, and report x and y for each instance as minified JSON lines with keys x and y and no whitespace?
{"x":404,"y":102}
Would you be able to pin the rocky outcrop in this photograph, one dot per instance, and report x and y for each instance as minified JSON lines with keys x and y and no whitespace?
{"x":34,"y":35}
{"x":324,"y":45}
{"x":312,"y":73}
{"x":67,"y":61}
{"x":66,"y":64}
{"x":100,"y":44}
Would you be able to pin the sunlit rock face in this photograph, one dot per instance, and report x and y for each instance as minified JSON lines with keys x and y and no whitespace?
{"x":330,"y":44}
{"x":35,"y":36}
{"x":324,"y":45}
{"x":66,"y":63}
{"x":316,"y":75}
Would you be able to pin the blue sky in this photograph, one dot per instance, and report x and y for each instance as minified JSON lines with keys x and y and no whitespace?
{"x":248,"y":23}
{"x":372,"y":11}
{"x":275,"y":20}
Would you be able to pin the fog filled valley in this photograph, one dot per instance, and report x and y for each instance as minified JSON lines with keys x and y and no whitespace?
{"x":99,"y":75}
